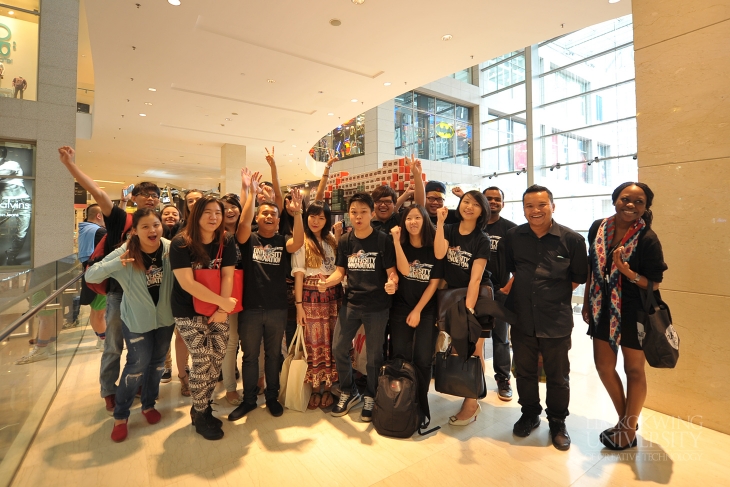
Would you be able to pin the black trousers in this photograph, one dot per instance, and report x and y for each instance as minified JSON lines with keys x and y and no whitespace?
{"x":557,"y":370}
{"x":416,"y":345}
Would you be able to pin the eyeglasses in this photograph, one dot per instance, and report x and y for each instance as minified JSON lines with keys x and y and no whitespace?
{"x":434,"y":199}
{"x":383,"y":203}
{"x":153,"y":196}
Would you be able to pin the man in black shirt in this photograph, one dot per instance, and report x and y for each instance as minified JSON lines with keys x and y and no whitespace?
{"x":266,"y":257}
{"x":388,"y":207}
{"x":497,"y":228}
{"x":367,"y":258}
{"x":435,"y":194}
{"x":548,"y":261}
{"x":144,"y":195}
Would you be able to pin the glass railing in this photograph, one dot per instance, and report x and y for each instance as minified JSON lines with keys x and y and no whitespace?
{"x":37,"y":307}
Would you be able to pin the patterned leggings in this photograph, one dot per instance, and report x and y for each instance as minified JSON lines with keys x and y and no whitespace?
{"x":207,"y":345}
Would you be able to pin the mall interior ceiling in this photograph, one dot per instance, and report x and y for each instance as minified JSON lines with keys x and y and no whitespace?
{"x":173,"y":83}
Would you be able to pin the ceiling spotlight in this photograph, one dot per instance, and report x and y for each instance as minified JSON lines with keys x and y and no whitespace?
{"x":152,"y":89}
{"x":10,"y":12}
{"x":387,"y":83}
{"x":174,"y":2}
{"x":293,"y":145}
{"x":335,"y":22}
{"x":447,"y":37}
{"x":358,"y":2}
{"x":270,"y":81}
{"x":142,"y":114}
{"x":148,"y":103}
{"x":614,"y":1}
{"x":354,"y":100}
{"x":330,"y":114}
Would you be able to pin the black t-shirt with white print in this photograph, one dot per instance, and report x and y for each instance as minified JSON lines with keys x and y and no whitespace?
{"x":496,"y":265}
{"x":153,"y":272}
{"x":424,"y":266}
{"x":462,"y":252}
{"x":181,"y":258}
{"x":266,"y":265}
{"x":366,"y":262}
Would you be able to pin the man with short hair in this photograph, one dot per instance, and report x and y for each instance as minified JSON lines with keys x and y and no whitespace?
{"x":389,"y":207}
{"x":497,"y":228}
{"x":548,"y":261}
{"x":144,"y":194}
{"x":91,"y":231}
{"x":435,"y":194}
{"x":367,"y":258}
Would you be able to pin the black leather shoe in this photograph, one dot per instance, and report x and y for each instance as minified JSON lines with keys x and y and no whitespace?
{"x":274,"y":407}
{"x":524,"y":426}
{"x":241,"y":411}
{"x":611,"y":442}
{"x":504,"y":390}
{"x":559,"y":434}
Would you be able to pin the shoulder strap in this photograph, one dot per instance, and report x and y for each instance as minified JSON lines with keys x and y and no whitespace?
{"x":127,"y":226}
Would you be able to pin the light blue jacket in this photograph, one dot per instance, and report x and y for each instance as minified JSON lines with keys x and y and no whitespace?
{"x":138,"y":310}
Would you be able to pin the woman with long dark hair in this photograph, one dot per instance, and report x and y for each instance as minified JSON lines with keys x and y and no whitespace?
{"x":466,"y":247}
{"x":317,"y":312}
{"x":203,"y":244}
{"x":413,"y":314}
{"x":625,"y":254}
{"x":142,"y":267}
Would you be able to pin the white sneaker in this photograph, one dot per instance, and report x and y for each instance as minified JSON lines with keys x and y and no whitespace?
{"x":36,"y":355}
{"x":99,"y":344}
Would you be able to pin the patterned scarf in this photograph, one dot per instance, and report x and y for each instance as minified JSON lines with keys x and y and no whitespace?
{"x":601,"y":283}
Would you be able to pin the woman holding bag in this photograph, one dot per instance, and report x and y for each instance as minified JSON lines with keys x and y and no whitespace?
{"x":624,"y":255}
{"x":203,"y":245}
{"x":466,"y":247}
{"x":141,"y":266}
{"x":317,"y":312}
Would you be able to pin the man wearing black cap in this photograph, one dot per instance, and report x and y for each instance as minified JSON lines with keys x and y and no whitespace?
{"x":435,"y":194}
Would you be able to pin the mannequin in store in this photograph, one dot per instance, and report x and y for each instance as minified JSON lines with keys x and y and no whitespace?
{"x":15,"y":207}
{"x":19,"y":85}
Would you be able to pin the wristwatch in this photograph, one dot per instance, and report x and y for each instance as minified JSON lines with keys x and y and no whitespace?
{"x":636,"y":279}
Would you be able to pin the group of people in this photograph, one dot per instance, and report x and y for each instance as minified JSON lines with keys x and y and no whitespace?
{"x":300,"y":269}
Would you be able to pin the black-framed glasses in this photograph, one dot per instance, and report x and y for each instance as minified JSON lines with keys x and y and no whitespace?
{"x":153,"y":195}
{"x":434,"y":199}
{"x":383,"y":203}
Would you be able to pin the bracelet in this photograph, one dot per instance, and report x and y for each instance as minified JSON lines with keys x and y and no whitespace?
{"x":298,"y":302}
{"x":636,"y":279}
{"x":298,"y":212}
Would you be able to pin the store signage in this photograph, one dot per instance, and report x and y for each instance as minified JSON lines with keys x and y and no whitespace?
{"x":444,"y":130}
{"x":5,"y":44}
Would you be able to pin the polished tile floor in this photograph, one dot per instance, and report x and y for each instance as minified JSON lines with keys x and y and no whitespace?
{"x":301,"y":449}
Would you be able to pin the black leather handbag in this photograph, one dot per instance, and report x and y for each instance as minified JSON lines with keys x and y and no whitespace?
{"x":458,"y":377}
{"x":658,"y":339}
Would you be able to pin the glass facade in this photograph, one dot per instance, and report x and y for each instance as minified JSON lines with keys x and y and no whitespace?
{"x":348,"y":140}
{"x":432,"y":129}
{"x":582,"y":119}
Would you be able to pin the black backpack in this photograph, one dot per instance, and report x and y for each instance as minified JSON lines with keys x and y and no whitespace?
{"x":401,"y":401}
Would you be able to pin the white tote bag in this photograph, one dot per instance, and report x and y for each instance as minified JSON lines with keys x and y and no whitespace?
{"x":295,"y":393}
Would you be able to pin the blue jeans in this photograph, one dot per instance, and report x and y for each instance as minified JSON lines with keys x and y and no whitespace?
{"x":146,"y":354}
{"x":348,"y":322}
{"x":253,"y":325}
{"x":113,"y":345}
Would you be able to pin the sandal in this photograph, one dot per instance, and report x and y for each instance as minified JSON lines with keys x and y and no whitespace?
{"x":326,"y":396}
{"x":184,"y":385}
{"x":314,"y":400}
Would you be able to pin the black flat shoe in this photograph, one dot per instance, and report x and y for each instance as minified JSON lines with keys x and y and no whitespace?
{"x":611,"y":445}
{"x":608,"y":432}
{"x":241,"y":411}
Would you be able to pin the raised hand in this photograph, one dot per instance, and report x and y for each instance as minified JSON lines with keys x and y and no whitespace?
{"x":395,"y":232}
{"x":337,"y":229}
{"x":255,"y":181}
{"x":321,"y":285}
{"x":268,"y":192}
{"x":392,"y":284}
{"x":125,"y":259}
{"x":441,"y":215}
{"x":67,"y":155}
{"x":457,"y":191}
{"x":415,"y":165}
{"x":270,"y":156}
{"x":246,"y":177}
{"x":228,"y":304}
{"x":295,"y":205}
{"x":333,"y":158}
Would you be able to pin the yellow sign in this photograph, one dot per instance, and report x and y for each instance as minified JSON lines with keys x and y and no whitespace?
{"x":444,"y":130}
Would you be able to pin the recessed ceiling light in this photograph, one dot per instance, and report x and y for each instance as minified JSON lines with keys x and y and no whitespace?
{"x":148,"y":103}
{"x":330,"y":114}
{"x":228,"y":119}
{"x":320,"y":92}
{"x":142,"y":114}
{"x":293,"y":145}
{"x":291,"y":154}
{"x":354,"y":100}
{"x":152,"y":89}
{"x":447,"y":37}
{"x":387,"y":83}
{"x":292,"y":130}
{"x":10,"y":12}
{"x":335,"y":22}
{"x":358,"y":2}
{"x":174,"y":2}
{"x":270,"y":81}
{"x":613,"y":1}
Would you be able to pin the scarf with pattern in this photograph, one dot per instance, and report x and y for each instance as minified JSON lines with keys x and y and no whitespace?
{"x":610,"y":283}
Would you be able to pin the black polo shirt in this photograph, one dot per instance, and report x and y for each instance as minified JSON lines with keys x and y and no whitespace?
{"x":544,"y":270}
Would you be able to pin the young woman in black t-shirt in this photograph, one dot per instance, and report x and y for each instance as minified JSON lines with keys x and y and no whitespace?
{"x":206,"y":337}
{"x":466,"y":248}
{"x":413,"y":314}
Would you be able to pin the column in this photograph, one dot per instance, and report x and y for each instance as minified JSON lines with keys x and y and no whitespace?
{"x":682,"y":67}
{"x":233,"y":158}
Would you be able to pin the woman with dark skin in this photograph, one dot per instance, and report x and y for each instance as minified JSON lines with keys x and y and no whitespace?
{"x":624,"y":255}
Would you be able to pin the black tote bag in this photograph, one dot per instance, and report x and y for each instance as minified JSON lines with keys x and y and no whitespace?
{"x":660,"y":340}
{"x":458,"y":377}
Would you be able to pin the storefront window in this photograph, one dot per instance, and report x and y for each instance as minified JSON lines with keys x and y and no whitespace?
{"x":19,"y":49}
{"x":16,"y":203}
{"x":446,"y":136}
{"x":347,"y":140}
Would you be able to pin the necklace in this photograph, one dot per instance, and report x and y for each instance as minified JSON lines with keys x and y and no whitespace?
{"x":154,"y":255}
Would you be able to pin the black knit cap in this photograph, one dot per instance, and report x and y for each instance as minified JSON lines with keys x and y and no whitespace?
{"x":435,"y":186}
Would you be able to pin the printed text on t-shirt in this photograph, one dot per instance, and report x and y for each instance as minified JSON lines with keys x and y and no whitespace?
{"x":267,"y":254}
{"x":362,"y":261}
{"x":458,"y":257}
{"x":419,"y":271}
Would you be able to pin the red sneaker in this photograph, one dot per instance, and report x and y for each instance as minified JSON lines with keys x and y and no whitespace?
{"x":111,"y":403}
{"x":119,"y":433}
{"x":152,"y":416}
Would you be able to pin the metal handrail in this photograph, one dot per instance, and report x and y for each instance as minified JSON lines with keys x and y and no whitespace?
{"x":32,"y":312}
